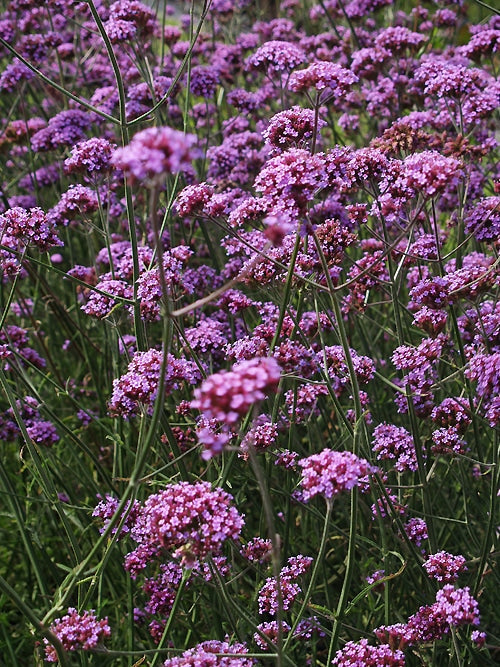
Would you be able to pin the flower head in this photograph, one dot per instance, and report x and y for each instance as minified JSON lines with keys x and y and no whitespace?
{"x":154,"y":152}
{"x":77,"y":631}
{"x":228,"y":395}
{"x":330,"y":473}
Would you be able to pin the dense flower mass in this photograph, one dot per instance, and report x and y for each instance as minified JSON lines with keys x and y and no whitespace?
{"x":444,"y":566}
{"x":249,"y":308}
{"x":207,"y":654}
{"x":139,"y":385}
{"x":29,"y":226}
{"x":393,"y":442}
{"x":276,"y":56}
{"x":322,"y":76}
{"x":362,"y":653}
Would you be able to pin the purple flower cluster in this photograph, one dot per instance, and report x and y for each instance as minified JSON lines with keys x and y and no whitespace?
{"x":41,"y":431}
{"x":191,"y":521}
{"x":395,"y":443}
{"x":276,"y":56}
{"x":21,"y":227}
{"x":257,"y":550}
{"x":139,"y":385}
{"x":92,"y":156}
{"x":227,"y":396}
{"x":77,"y":632}
{"x":330,"y":473}
{"x":268,"y":598}
{"x":154,"y":152}
{"x":361,"y":653}
{"x":340,"y":185}
{"x":292,"y":128}
{"x":444,"y":566}
{"x":453,"y":608}
{"x":323,"y":76}
{"x":212,"y":653}
{"x":290,"y":180}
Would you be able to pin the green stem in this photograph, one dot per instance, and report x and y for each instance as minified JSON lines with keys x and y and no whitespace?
{"x":346,"y":585}
{"x":314,"y":575}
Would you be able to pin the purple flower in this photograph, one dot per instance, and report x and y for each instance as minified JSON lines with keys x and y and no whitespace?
{"x":77,"y":632}
{"x":276,"y":56}
{"x":13,"y":74}
{"x":106,"y":509}
{"x":296,"y":567}
{"x":64,"y":129}
{"x":204,"y":80}
{"x":452,"y":608}
{"x":483,"y":220}
{"x":330,"y":473}
{"x":140,"y":382}
{"x":30,"y":226}
{"x":361,"y":653}
{"x":262,"y":435}
{"x":427,"y":173}
{"x":206,"y":655}
{"x":291,"y":128}
{"x":78,"y":200}
{"x":192,"y":198}
{"x":227,"y":396}
{"x":416,"y":529}
{"x":323,"y":76}
{"x":90,"y":156}
{"x":395,"y":443}
{"x":444,"y":566}
{"x":270,"y":630}
{"x":100,"y":305}
{"x":292,"y":179}
{"x":153,"y":153}
{"x":257,"y":550}
{"x":399,"y":38}
{"x":189,"y":520}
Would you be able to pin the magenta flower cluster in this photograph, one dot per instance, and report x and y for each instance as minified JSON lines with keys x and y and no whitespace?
{"x":191,"y":521}
{"x":330,"y":473}
{"x":227,"y":396}
{"x":77,"y":631}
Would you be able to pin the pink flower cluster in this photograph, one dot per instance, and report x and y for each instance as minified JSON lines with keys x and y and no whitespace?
{"x":395,"y":443}
{"x":212,"y":653}
{"x":330,"y":473}
{"x":361,"y":654}
{"x":190,"y":521}
{"x":77,"y":632}
{"x":444,"y":566}
{"x":268,"y":598}
{"x":139,"y":385}
{"x":154,"y":152}
{"x":227,"y":396}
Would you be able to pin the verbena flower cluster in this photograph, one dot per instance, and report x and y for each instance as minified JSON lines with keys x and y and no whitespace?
{"x":77,"y":631}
